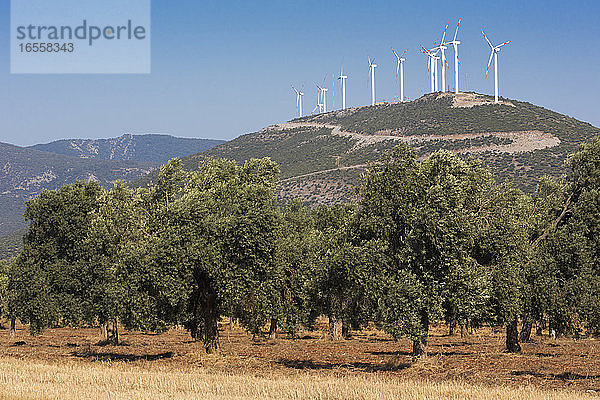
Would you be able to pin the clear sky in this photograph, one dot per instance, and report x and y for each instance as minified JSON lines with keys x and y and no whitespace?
{"x":224,"y":68}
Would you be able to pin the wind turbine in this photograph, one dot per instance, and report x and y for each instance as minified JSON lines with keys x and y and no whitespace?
{"x":442,"y":47}
{"x":431,"y":67}
{"x":319,"y":104}
{"x":323,"y":96}
{"x":494,"y":54}
{"x":400,"y":70}
{"x":343,"y":78}
{"x":372,"y":67}
{"x":299,"y":95}
{"x":455,"y":43}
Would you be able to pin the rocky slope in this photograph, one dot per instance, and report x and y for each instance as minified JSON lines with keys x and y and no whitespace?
{"x":146,"y":148}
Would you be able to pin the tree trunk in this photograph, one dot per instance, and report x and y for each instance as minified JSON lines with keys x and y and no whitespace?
{"x":115,"y":332}
{"x":13,"y":329}
{"x":538,"y":328}
{"x":273,"y":329}
{"x":211,"y":333}
{"x":205,"y":314}
{"x":209,"y":311}
{"x":335,"y":328}
{"x":346,"y":329}
{"x":419,"y":349}
{"x":420,"y":344}
{"x":451,"y":328}
{"x":104,"y":331}
{"x":512,"y":337}
{"x":525,"y":335}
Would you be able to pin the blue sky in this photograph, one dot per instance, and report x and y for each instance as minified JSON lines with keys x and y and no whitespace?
{"x":221,"y":69}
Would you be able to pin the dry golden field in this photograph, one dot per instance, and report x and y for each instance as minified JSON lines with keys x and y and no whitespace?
{"x":70,"y":364}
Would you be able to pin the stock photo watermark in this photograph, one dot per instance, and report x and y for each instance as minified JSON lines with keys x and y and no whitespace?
{"x":80,"y":37}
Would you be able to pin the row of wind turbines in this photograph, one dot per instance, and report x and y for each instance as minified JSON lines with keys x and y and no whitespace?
{"x":432,"y":68}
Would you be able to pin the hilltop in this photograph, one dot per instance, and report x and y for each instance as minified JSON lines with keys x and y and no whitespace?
{"x":322,"y":155}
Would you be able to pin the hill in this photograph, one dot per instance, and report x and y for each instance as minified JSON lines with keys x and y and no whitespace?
{"x":151,"y":148}
{"x":25,"y":172}
{"x":322,"y":155}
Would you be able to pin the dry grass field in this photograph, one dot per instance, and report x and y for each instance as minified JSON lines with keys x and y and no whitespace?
{"x":70,"y":364}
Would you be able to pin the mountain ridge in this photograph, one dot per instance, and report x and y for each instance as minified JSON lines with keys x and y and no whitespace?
{"x":26,"y":171}
{"x":130,"y":147}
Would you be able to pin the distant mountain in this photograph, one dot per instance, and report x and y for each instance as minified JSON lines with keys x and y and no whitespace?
{"x":322,"y":156}
{"x":11,"y":244}
{"x":26,"y":171}
{"x":151,"y":148}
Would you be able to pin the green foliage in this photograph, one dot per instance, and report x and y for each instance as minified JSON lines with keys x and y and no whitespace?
{"x":296,"y":259}
{"x":344,"y":287}
{"x":430,"y":239}
{"x":47,"y":282}
{"x":428,"y":215}
{"x":215,"y":245}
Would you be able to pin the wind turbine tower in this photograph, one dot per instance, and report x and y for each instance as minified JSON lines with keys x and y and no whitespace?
{"x":494,"y":54}
{"x":319,"y":105}
{"x":343,"y":78}
{"x":430,"y":66}
{"x":400,"y":72}
{"x":299,"y":95}
{"x":435,"y":59}
{"x":323,"y":100}
{"x":372,"y":67}
{"x":455,"y":43}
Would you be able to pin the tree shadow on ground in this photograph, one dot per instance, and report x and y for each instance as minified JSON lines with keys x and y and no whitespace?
{"x":565,"y":376}
{"x":107,"y":356}
{"x":363,"y":366}
{"x":430,"y":353}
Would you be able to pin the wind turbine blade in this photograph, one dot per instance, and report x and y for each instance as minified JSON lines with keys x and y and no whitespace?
{"x":398,"y":68}
{"x":456,"y":32}
{"x":486,"y":39}
{"x":444,"y":35}
{"x":396,"y":54}
{"x":489,"y":63}
{"x":505,"y":43}
{"x":403,"y":53}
